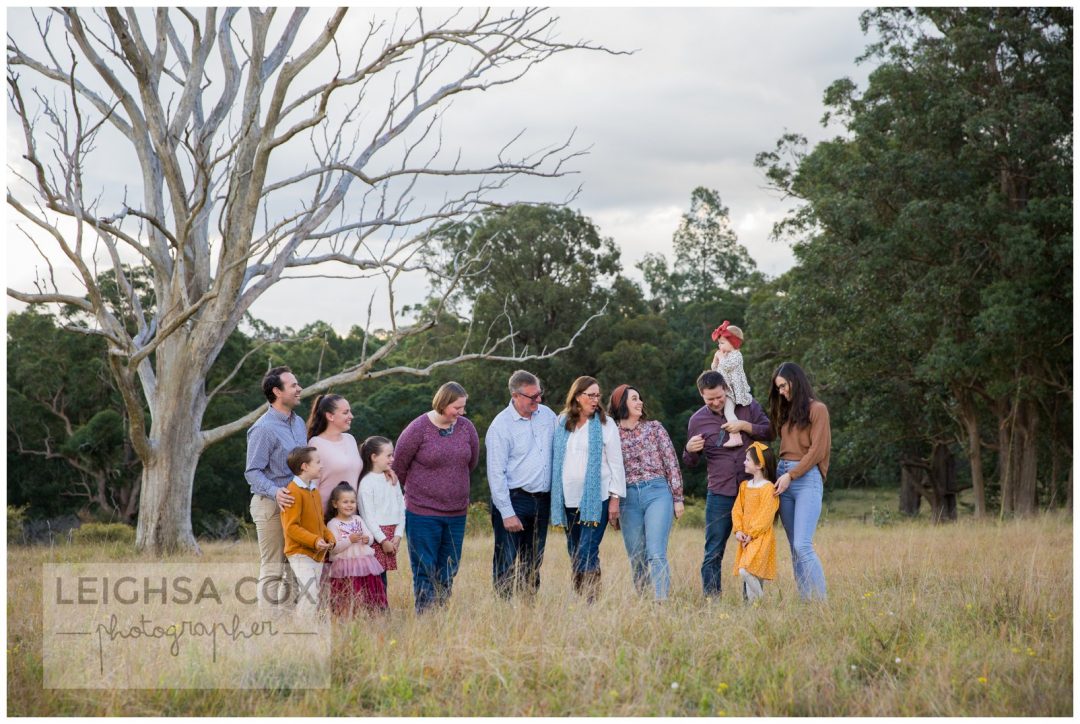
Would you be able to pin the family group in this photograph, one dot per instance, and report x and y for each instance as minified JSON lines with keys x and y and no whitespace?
{"x":320,"y":498}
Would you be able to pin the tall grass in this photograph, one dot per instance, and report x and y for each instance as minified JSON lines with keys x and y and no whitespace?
{"x":967,"y":619}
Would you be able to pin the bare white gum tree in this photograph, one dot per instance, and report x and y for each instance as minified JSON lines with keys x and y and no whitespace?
{"x":260,"y":144}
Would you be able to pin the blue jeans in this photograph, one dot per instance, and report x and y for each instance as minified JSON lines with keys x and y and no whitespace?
{"x":717,"y":530}
{"x":583,"y":541}
{"x":434,"y":554}
{"x":526,"y":546}
{"x":800,"y":508}
{"x":645,"y":517}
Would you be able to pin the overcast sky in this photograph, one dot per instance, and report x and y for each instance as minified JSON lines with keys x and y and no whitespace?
{"x":706,"y":89}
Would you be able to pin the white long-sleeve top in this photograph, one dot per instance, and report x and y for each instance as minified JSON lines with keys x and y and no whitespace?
{"x":381,"y":503}
{"x":612,"y":474}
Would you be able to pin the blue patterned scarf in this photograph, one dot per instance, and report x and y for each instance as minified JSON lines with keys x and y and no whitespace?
{"x":590,"y":498}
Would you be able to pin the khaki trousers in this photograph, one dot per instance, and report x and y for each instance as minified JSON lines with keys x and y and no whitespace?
{"x":277,"y":584}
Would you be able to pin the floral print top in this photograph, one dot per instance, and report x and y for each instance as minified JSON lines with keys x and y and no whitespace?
{"x":648,"y":453}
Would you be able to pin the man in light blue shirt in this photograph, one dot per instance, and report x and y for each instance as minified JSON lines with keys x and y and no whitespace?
{"x":518,"y":446}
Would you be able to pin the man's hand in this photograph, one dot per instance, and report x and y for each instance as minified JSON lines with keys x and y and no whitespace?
{"x":513,"y":524}
{"x":695,"y":444}
{"x":284,"y":500}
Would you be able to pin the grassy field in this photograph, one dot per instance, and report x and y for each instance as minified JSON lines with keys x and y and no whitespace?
{"x":966,"y":619}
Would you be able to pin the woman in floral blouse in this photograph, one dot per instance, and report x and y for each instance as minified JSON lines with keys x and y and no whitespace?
{"x":654,"y":490}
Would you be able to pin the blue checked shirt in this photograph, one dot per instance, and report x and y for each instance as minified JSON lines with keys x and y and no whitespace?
{"x":519,"y":454}
{"x":269,"y":441}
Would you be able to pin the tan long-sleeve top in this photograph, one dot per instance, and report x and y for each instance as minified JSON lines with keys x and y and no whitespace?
{"x":809,"y":445}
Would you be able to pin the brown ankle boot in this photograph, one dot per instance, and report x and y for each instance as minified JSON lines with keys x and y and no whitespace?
{"x":577,"y":581}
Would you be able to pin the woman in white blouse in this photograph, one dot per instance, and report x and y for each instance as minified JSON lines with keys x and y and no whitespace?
{"x":587,"y":480}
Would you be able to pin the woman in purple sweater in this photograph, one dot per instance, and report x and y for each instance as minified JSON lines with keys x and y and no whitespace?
{"x":433,"y":458}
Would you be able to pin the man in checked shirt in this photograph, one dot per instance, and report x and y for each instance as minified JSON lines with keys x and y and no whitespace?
{"x":269,"y":441}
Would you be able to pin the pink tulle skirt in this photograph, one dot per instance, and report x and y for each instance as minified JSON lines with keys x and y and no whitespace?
{"x":349,"y":596}
{"x":358,"y":566}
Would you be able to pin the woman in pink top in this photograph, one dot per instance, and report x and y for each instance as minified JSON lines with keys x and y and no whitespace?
{"x":327,"y":430}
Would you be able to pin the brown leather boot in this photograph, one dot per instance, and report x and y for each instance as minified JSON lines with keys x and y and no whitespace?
{"x":577,"y":581}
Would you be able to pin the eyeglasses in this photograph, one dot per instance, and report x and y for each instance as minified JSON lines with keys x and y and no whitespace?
{"x":592,"y":395}
{"x":532,"y":398}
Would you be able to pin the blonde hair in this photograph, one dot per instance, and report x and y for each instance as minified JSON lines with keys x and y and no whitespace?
{"x":735,"y":330}
{"x":447,"y":395}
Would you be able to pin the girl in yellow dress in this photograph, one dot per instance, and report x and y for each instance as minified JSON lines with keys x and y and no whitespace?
{"x":752,"y":518}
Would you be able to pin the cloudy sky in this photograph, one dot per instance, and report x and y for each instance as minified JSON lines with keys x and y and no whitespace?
{"x":705,"y":90}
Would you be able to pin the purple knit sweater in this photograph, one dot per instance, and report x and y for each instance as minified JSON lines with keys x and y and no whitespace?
{"x":434,"y":469}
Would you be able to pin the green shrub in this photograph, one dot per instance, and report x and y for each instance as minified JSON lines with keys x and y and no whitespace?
{"x":478,"y":520}
{"x":16,"y":519}
{"x":104,"y":533}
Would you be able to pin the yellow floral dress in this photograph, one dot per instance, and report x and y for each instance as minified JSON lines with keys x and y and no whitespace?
{"x":753,"y":514}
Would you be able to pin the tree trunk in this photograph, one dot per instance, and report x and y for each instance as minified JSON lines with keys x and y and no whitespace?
{"x":1019,"y":459}
{"x":943,"y":481}
{"x":910,"y":500}
{"x":176,"y":434}
{"x":974,"y":445}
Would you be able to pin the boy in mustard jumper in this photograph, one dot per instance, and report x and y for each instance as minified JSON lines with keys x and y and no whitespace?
{"x":307,"y":539}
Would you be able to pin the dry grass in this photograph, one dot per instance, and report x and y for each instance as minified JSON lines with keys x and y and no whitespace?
{"x":969,"y":619}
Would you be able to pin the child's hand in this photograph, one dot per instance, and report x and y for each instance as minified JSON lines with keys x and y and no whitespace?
{"x":388,"y":546}
{"x":742,"y":537}
{"x":357,"y":537}
{"x":322,"y":545}
{"x":397,"y":543}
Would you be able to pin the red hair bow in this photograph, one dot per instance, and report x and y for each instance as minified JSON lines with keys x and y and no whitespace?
{"x":720,"y":331}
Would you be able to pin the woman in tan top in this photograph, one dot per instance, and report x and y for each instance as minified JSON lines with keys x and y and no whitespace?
{"x":802,"y":423}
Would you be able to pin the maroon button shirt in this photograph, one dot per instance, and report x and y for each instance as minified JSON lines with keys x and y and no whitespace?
{"x":725,"y":464}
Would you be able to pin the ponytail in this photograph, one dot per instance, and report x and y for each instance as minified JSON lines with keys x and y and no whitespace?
{"x":320,"y":408}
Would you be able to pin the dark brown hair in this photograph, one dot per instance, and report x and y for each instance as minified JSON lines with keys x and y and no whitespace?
{"x":770,"y":462}
{"x":621,"y":412}
{"x":298,"y":456}
{"x":710,"y":379}
{"x":371,"y":446}
{"x":272,"y":381}
{"x":572,"y":409}
{"x":339,"y":490}
{"x":797,"y":411}
{"x":322,"y":406}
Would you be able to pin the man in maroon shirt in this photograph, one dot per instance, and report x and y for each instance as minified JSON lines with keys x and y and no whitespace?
{"x":707,"y":431}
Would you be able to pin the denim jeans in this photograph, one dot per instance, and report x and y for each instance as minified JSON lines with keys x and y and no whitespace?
{"x":525,"y":546}
{"x":583,"y":541}
{"x":645,"y":517}
{"x":717,"y":530}
{"x":800,"y":507}
{"x":434,"y":554}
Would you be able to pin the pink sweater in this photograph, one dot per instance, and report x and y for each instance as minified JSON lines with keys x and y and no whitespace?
{"x":340,"y":462}
{"x":351,"y":559}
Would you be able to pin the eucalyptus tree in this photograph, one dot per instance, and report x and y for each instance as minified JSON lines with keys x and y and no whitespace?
{"x":937,"y":235}
{"x":227,"y":149}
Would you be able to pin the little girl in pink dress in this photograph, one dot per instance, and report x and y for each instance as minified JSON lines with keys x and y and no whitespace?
{"x":355,"y":573}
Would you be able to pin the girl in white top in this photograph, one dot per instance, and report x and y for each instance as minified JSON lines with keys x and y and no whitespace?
{"x":728,"y":361}
{"x":382,"y":505}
